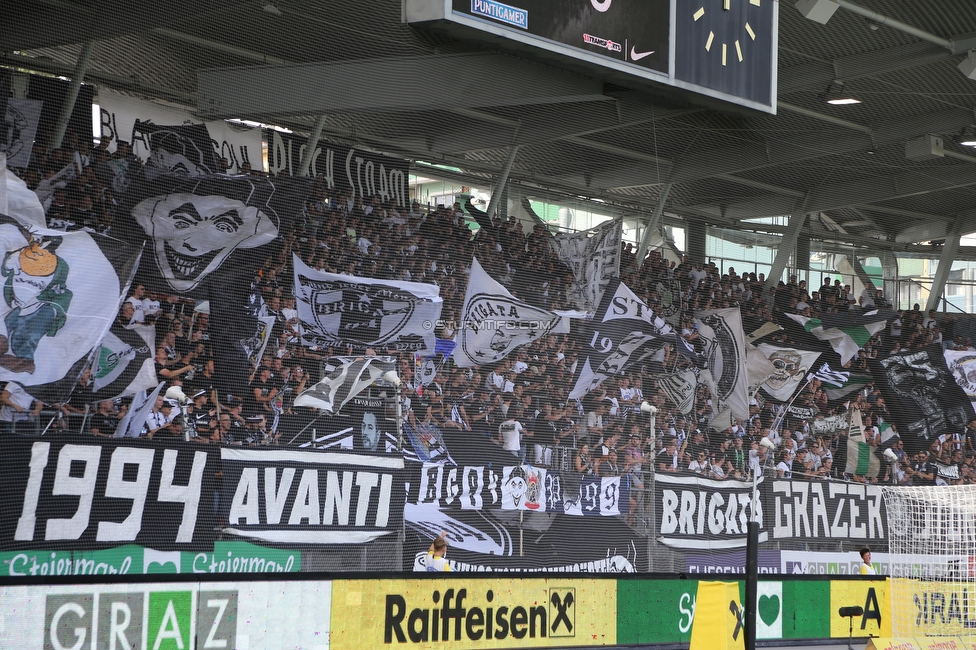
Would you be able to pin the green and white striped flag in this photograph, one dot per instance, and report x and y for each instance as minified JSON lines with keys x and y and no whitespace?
{"x":860,"y":455}
{"x":847,"y":333}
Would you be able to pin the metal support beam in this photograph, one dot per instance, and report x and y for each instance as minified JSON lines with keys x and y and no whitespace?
{"x":881,"y":19}
{"x":68,"y":107}
{"x":308,"y":88}
{"x":949,"y":251}
{"x":652,"y":223}
{"x":313,"y":142}
{"x":500,"y":187}
{"x":784,"y":251}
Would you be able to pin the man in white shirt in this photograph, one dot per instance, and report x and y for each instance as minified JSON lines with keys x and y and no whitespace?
{"x":510,"y":436}
{"x":138,"y":305}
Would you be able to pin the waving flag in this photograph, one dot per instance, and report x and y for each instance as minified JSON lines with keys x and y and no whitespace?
{"x":344,"y":310}
{"x":624,"y":333}
{"x":861,"y":459}
{"x":352,"y":376}
{"x":61,"y":293}
{"x":125,"y":363}
{"x":846,"y":332}
{"x":725,"y":359}
{"x":494,"y":322}
{"x":594,"y":257}
{"x":790,"y":366}
{"x":836,"y":378}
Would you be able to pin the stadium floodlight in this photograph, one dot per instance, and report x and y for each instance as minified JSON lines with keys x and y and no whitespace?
{"x":648,"y":408}
{"x":176,"y":393}
{"x":767,"y":443}
{"x":391,"y":377}
{"x":890,"y":456}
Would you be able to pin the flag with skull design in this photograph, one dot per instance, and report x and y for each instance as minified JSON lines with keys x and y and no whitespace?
{"x":206,"y":237}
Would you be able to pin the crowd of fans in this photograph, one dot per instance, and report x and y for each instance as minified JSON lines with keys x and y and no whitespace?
{"x":521,"y":402}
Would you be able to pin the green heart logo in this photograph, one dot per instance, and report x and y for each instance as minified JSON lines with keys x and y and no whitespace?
{"x":769,"y":609}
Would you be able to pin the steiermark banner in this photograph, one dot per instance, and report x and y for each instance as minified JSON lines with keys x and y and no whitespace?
{"x":227,"y":557}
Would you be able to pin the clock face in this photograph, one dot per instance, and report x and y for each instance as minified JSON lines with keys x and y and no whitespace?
{"x":726,"y":45}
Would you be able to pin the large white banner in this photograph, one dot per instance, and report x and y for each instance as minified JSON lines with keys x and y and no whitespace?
{"x":594,"y":257}
{"x":344,"y":310}
{"x":118,"y":115}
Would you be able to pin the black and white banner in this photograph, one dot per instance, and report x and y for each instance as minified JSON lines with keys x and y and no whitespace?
{"x":725,"y":353}
{"x":118,"y":116}
{"x":20,"y":126}
{"x":494,"y":322}
{"x":624,"y":333}
{"x":533,"y":489}
{"x":368,"y":174}
{"x":65,"y":493}
{"x":349,"y":377}
{"x":830,"y":426}
{"x":594,"y":258}
{"x":344,"y":310}
{"x":962,"y":364}
{"x":286,"y":496}
{"x":922,"y":395}
{"x":699,"y":513}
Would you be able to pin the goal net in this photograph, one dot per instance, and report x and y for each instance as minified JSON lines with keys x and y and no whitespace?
{"x":932,"y":544}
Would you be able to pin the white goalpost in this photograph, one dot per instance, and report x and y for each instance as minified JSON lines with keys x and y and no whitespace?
{"x":932,"y":558}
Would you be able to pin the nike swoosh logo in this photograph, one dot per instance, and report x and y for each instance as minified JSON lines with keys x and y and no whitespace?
{"x":637,"y":56}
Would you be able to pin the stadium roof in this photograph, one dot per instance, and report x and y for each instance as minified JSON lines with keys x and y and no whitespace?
{"x":846,"y":165}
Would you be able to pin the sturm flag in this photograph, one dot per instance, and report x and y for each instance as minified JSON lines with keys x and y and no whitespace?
{"x":61,"y":293}
{"x":921,"y":395}
{"x":721,"y":333}
{"x":345,"y":310}
{"x":790,"y":367}
{"x":494,"y":322}
{"x":594,"y":258}
{"x":624,"y":333}
{"x":125,"y":362}
{"x":20,"y":121}
{"x":846,"y":332}
{"x":352,"y":376}
{"x":427,"y":367}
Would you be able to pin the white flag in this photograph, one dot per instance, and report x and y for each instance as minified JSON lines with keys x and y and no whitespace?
{"x":725,"y":354}
{"x":345,"y":310}
{"x":594,"y":257}
{"x":494,"y":322}
{"x":353,"y":376}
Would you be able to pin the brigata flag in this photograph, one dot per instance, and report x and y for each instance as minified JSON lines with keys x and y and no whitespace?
{"x":624,"y":333}
{"x":351,"y":376}
{"x":847,"y":332}
{"x":61,"y":293}
{"x":594,"y":258}
{"x":861,"y":459}
{"x":125,"y":362}
{"x":494,"y":322}
{"x":345,"y":310}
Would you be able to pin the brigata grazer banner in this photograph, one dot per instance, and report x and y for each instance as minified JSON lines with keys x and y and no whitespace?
{"x":699,"y":513}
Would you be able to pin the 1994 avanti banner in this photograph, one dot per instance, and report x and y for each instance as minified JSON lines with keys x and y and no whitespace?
{"x":72,"y":493}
